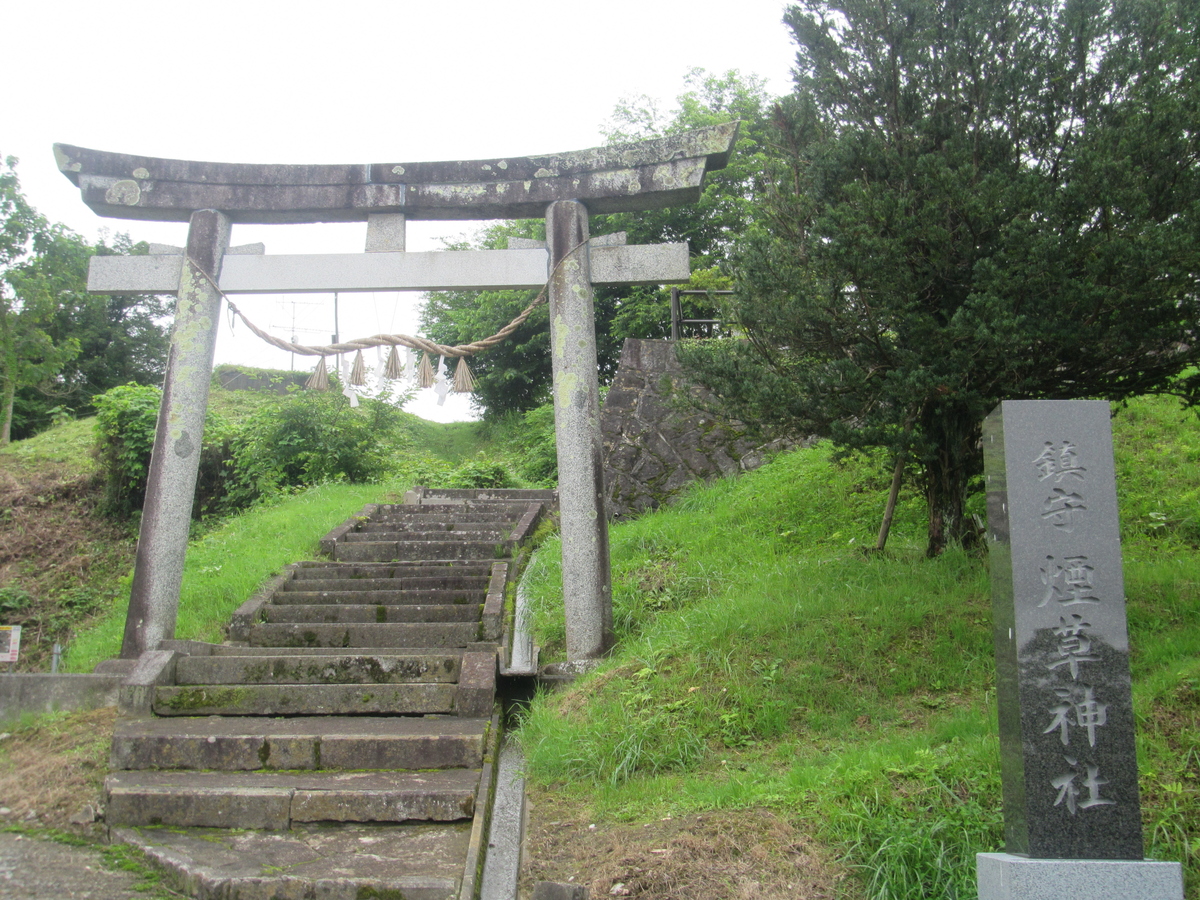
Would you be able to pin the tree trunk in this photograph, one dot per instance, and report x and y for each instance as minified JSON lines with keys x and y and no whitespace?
{"x":890,"y":509}
{"x":8,"y":373}
{"x":7,"y":402}
{"x":954,"y":457}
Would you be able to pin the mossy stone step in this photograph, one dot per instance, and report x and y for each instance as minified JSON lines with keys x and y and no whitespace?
{"x":304,"y":699}
{"x":247,"y":650}
{"x":387,"y":533}
{"x":424,"y":634}
{"x":408,"y":596}
{"x":425,"y":526}
{"x":382,"y":551}
{"x":275,"y":801}
{"x":334,"y":742}
{"x":415,"y":861}
{"x":422,"y":583}
{"x":412,"y":569}
{"x":380,"y":612}
{"x":324,"y":669}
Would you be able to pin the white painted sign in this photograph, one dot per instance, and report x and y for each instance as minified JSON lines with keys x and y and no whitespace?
{"x":10,"y":643}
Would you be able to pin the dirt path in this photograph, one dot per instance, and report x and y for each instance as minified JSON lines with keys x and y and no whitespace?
{"x":744,"y":854}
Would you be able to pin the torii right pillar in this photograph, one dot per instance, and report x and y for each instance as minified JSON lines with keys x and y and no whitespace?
{"x":587,"y":583}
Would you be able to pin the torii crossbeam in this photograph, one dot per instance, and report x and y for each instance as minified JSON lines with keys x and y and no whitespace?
{"x":211,"y":197}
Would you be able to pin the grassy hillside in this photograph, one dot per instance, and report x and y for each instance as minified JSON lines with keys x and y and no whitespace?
{"x":65,"y":568}
{"x":770,"y":671}
{"x":766,"y":662}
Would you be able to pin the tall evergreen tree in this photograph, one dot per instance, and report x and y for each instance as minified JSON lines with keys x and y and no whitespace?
{"x":971,"y":200}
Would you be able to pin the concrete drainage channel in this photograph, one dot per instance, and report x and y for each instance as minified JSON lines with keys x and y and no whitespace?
{"x":506,"y":834}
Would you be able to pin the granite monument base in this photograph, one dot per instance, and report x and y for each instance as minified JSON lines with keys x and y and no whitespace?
{"x":1003,"y":876}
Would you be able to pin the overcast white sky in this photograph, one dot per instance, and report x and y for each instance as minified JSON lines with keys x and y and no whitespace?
{"x":356,"y":81}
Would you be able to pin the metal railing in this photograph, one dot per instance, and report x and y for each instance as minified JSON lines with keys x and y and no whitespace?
{"x":708,"y":327}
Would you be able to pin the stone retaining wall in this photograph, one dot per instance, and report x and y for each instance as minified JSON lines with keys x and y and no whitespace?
{"x":655,"y":442}
{"x":21,"y":693}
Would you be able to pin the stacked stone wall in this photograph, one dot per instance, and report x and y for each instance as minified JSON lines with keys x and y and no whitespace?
{"x":656,"y":439}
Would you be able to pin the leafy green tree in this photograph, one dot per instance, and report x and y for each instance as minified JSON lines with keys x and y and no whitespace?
{"x":59,"y":345}
{"x":515,"y":376}
{"x":122,"y":338}
{"x":971,"y":200}
{"x":28,"y":354}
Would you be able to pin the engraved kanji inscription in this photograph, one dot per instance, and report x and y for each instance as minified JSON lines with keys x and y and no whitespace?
{"x":1074,"y":645}
{"x":1079,"y":708}
{"x":1069,"y":791}
{"x":1062,"y":508}
{"x":1059,"y":462}
{"x":1068,"y":583}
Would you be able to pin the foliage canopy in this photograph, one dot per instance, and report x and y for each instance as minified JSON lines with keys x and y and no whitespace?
{"x":61,"y":346}
{"x":970,"y":201}
{"x":515,"y":376}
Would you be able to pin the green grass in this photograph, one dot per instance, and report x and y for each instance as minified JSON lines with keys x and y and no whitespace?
{"x":453,"y":442}
{"x":228,"y":558}
{"x":765,"y":660}
{"x":70,"y":442}
{"x":226,"y":565}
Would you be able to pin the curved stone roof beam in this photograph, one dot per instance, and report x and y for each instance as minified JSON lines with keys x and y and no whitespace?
{"x":620,"y":178}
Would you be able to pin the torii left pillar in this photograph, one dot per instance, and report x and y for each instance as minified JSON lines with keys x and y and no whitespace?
{"x":175,"y":460}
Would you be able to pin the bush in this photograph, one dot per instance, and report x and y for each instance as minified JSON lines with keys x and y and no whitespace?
{"x":528,"y":440}
{"x":125,"y":421}
{"x":480,"y":473}
{"x":318,"y":437}
{"x":306,"y":439}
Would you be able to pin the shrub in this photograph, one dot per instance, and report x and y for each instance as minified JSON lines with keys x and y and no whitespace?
{"x":480,"y":473}
{"x":317,"y":437}
{"x":125,"y":421}
{"x":306,"y":439}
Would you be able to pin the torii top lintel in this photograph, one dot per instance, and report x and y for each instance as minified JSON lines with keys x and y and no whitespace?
{"x":620,"y":178}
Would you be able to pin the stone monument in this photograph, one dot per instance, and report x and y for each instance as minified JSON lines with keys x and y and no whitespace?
{"x":1068,"y":761}
{"x":213,"y":197}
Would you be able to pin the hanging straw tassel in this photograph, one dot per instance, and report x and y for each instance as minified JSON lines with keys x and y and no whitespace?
{"x":425,"y":376}
{"x":358,"y":375}
{"x":464,"y":381}
{"x":394,"y":370}
{"x":318,"y":380}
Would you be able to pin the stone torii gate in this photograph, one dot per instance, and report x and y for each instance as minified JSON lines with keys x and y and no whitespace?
{"x":212,"y":197}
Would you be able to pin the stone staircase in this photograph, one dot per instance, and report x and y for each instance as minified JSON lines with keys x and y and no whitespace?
{"x":341,"y":743}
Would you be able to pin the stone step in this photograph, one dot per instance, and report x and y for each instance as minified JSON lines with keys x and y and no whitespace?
{"x":276,"y":801}
{"x":247,"y":744}
{"x":383,"y":551}
{"x":424,"y":583}
{"x":342,"y":861}
{"x":247,"y":650}
{"x":436,"y":496}
{"x":431,"y":635}
{"x":385,"y":532}
{"x":415,"y":569}
{"x":304,"y":699}
{"x":432,"y":597}
{"x":380,"y":612}
{"x":424,"y":525}
{"x":313,"y":669}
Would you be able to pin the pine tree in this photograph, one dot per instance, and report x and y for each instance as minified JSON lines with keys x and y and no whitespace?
{"x":971,"y":200}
